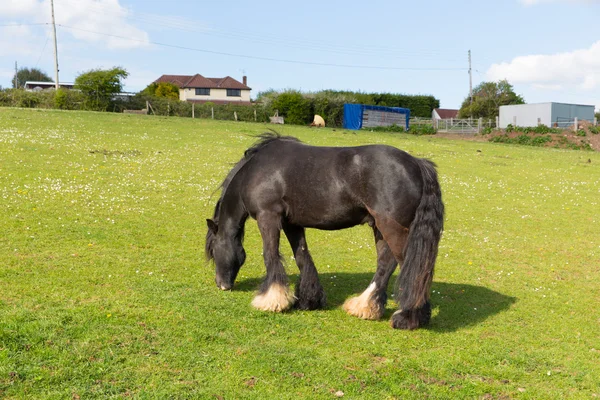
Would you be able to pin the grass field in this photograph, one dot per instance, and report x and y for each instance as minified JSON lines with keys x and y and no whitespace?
{"x":104,"y":292}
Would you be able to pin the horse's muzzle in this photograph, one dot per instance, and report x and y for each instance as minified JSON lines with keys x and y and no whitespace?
{"x":223,"y":285}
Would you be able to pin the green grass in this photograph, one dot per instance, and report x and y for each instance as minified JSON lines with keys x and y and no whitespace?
{"x":104,"y":292}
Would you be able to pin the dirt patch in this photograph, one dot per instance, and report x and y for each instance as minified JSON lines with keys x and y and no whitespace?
{"x":463,"y":136}
{"x":587,"y":137}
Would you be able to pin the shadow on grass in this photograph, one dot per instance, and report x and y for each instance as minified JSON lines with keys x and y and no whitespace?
{"x":458,"y":305}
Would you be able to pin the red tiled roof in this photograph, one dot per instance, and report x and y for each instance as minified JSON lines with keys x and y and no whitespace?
{"x":198,"y":81}
{"x":178,"y":80}
{"x":445,"y":113}
{"x":230,"y":83}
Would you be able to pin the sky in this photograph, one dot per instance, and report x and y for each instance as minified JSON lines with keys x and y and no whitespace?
{"x":549,"y":50}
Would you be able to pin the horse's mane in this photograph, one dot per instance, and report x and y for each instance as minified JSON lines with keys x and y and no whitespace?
{"x":264,"y":140}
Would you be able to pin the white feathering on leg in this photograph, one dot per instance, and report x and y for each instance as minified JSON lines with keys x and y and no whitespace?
{"x":277,"y":298}
{"x":364,"y":306}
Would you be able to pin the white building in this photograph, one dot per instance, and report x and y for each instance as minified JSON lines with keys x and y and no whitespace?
{"x":198,"y":89}
{"x":549,"y":114}
{"x":35,"y":86}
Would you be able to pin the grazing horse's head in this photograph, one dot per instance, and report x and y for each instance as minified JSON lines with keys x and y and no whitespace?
{"x":227,"y":252}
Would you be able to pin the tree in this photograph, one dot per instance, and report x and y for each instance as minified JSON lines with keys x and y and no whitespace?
{"x":99,"y":86}
{"x":487,"y":99}
{"x":164,"y":89}
{"x":294,"y":107}
{"x":29,"y":74}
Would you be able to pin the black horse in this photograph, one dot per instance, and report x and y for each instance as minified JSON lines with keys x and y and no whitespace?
{"x":286,"y":184}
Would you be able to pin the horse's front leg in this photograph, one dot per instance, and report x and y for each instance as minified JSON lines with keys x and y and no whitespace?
{"x":274,"y":293}
{"x":371,"y":303}
{"x":309,"y":291}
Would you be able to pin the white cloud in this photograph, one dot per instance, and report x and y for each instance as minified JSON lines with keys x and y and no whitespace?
{"x":82,"y":19}
{"x":22,"y":43}
{"x":15,"y":8}
{"x":578,"y":68}
{"x":104,"y":16}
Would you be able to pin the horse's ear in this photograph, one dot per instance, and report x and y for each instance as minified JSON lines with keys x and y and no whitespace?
{"x":214,"y":228}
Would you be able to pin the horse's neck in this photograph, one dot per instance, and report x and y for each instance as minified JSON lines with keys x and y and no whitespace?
{"x":232,"y":219}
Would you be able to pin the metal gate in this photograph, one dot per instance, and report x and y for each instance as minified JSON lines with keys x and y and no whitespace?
{"x":452,"y":125}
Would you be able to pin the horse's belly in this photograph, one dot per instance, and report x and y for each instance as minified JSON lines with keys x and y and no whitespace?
{"x":327,"y":217}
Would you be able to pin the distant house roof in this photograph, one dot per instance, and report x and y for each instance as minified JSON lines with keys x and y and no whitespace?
{"x":199,"y":81}
{"x":178,"y":80}
{"x":446,"y":113}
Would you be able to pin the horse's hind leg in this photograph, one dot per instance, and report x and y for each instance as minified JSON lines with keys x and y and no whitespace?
{"x":397,"y":238}
{"x":371,"y":303}
{"x":274,"y":293}
{"x":309,"y":291}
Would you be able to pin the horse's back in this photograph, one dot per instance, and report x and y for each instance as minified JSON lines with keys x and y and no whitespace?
{"x":332,"y":187}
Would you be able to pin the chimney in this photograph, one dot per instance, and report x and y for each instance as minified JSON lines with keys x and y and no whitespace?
{"x":245,"y":80}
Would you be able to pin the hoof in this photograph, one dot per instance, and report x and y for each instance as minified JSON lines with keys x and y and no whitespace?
{"x":277,"y":298}
{"x":310,"y":298}
{"x":411,"y":319}
{"x":311,"y":304}
{"x":365,"y":306}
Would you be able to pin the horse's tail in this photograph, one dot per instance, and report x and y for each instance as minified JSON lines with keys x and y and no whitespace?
{"x":416,"y":274}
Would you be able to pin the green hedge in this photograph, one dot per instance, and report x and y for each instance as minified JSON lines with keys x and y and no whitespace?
{"x":296,"y":107}
{"x":299,"y":108}
{"x":61,"y":99}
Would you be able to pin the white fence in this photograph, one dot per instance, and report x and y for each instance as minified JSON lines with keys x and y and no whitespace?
{"x":455,"y":125}
{"x":475,"y":126}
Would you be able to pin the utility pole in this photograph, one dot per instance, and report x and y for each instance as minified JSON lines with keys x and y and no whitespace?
{"x":470,"y":79}
{"x":55,"y":46}
{"x":16,"y":82}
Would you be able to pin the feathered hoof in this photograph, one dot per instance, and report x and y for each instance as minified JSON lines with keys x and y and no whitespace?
{"x":365,"y":306}
{"x":310,"y":297}
{"x":357,"y":307}
{"x":277,"y":298}
{"x":411,"y":319}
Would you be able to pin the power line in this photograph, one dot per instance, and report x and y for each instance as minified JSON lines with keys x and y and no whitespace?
{"x":275,"y":40}
{"x":267,"y":58}
{"x":42,"y":53}
{"x":25,"y":24}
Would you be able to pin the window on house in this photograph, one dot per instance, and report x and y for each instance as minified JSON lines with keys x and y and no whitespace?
{"x":202,"y":91}
{"x":234,"y":93}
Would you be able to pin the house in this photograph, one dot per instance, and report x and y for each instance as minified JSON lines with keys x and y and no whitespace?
{"x":34,"y":86}
{"x":443,"y":113}
{"x":550,"y":114}
{"x":198,"y":89}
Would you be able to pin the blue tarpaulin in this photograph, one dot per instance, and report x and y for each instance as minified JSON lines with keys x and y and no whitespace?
{"x":354,"y":116}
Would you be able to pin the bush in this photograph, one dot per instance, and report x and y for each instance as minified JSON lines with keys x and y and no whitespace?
{"x":541,"y":129}
{"x":389,"y":128}
{"x":422,"y":129}
{"x":294,"y":107}
{"x":60,"y":99}
{"x":330,"y":104}
{"x":523,"y":139}
{"x":27,"y":99}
